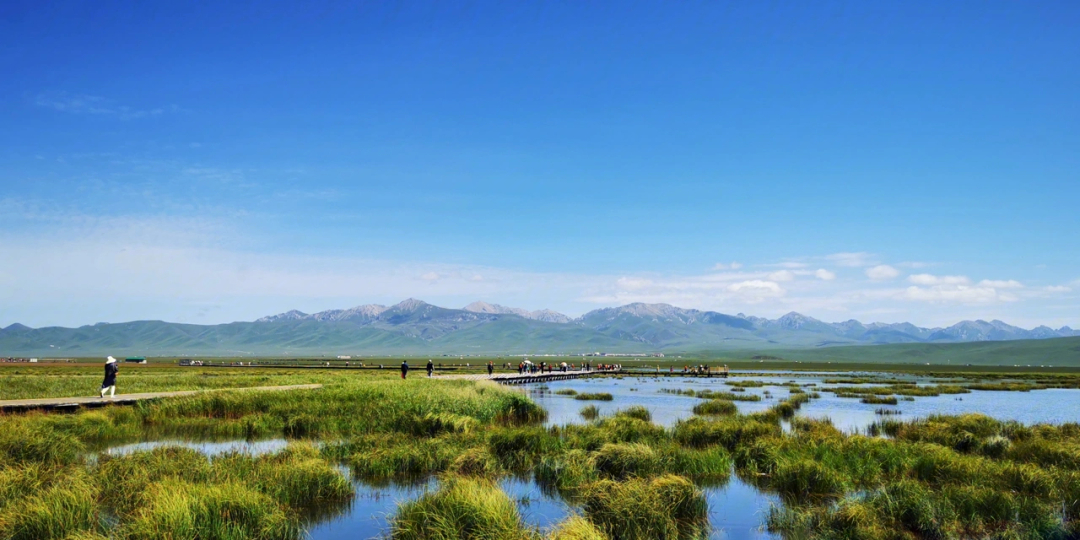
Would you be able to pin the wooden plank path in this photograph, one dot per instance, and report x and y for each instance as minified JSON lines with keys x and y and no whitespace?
{"x":524,"y":378}
{"x":72,"y":403}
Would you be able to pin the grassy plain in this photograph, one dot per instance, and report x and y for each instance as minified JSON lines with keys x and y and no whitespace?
{"x":941,"y":477}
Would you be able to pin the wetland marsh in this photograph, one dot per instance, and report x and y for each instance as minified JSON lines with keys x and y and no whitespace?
{"x":758,"y":455}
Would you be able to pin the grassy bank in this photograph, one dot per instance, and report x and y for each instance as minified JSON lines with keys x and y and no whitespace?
{"x":26,"y":381}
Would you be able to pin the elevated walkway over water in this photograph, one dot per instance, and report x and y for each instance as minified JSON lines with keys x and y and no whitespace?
{"x":527,"y":378}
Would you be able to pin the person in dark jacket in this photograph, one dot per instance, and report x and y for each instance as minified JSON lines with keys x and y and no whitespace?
{"x":404,"y":369}
{"x":430,"y":367}
{"x":491,"y":368}
{"x":109,"y":384}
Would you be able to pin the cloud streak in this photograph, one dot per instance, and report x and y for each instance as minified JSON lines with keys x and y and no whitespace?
{"x":97,"y":106}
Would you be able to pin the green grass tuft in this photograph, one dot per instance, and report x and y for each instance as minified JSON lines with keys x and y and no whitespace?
{"x":667,"y":506}
{"x":600,"y":396}
{"x":716,"y":407}
{"x":462,"y":508}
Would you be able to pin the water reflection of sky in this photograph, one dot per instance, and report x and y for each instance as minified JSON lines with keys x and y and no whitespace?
{"x":208,"y":448}
{"x":1053,"y":406}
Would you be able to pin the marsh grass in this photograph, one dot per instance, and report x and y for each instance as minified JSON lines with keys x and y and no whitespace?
{"x":729,"y":432}
{"x":1006,"y":386}
{"x":880,"y":400}
{"x":637,"y":411}
{"x":590,"y":412}
{"x":710,"y":394}
{"x":177,"y":509}
{"x":599,"y":396}
{"x":624,"y":460}
{"x":638,"y":509}
{"x":745,"y":384}
{"x":716,"y":407}
{"x":566,"y":392}
{"x":461,"y":508}
{"x":577,"y":528}
{"x":57,"y":507}
{"x":898,"y":389}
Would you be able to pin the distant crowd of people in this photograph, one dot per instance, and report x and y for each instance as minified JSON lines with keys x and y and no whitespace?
{"x":545,"y":367}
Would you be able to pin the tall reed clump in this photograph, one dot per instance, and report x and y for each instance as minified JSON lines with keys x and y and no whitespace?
{"x":590,"y":412}
{"x":666,"y":506}
{"x":716,"y":407}
{"x":620,"y":461}
{"x":566,"y":474}
{"x":576,"y":528}
{"x":708,"y":466}
{"x":462,"y":508}
{"x":518,"y":449}
{"x":32,"y":439}
{"x":801,"y":478}
{"x":177,"y":492}
{"x":711,"y":394}
{"x":729,"y":432}
{"x":47,"y":504}
{"x":636,"y":411}
{"x":598,"y":396}
{"x":296,"y":477}
{"x":476,"y":462}
{"x":381,"y":458}
{"x":880,"y":400}
{"x":178,"y":509}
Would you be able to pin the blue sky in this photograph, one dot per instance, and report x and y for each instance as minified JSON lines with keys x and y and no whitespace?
{"x":889,"y":161}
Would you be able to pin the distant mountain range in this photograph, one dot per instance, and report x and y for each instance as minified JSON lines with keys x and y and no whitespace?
{"x":416,"y":327}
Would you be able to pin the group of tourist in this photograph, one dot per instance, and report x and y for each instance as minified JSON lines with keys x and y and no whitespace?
{"x":545,"y":367}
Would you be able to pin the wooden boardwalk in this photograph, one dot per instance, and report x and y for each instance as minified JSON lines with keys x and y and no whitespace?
{"x":524,"y":378}
{"x":72,"y":403}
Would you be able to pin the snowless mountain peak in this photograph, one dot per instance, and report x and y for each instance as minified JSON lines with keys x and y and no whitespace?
{"x":291,"y":315}
{"x":409,"y":304}
{"x":546,"y":315}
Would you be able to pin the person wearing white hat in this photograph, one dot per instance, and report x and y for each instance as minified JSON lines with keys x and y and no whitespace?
{"x":109,"y":384}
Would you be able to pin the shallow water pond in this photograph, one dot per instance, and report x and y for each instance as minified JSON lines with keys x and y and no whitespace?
{"x":1052,"y":406}
{"x":736,"y":510}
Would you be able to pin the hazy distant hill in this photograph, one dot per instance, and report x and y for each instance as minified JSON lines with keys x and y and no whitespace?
{"x":416,"y":327}
{"x":1055,"y":352}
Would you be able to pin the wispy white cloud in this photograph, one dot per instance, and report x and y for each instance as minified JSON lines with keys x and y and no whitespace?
{"x":957,"y":293}
{"x":792,"y":265}
{"x":727,"y":266}
{"x":914,"y":264}
{"x":1001,"y":283}
{"x":96,"y":105}
{"x":930,"y":279}
{"x":824,"y":274}
{"x":782,"y":275}
{"x":882,"y":272}
{"x":853,"y":260}
{"x":757,"y":290}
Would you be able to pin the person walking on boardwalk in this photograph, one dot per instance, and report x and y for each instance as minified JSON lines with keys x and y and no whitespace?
{"x":430,"y":367}
{"x":404,"y":368}
{"x":491,"y":368}
{"x":109,"y":384}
